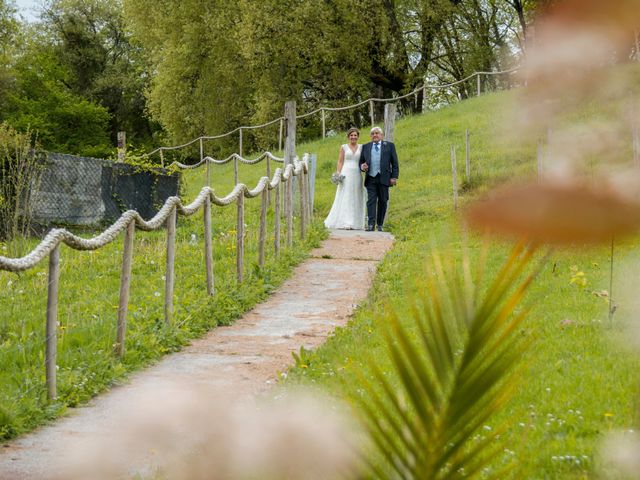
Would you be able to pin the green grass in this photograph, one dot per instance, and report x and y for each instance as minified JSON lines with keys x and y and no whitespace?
{"x":580,"y":380}
{"x":88,"y":302}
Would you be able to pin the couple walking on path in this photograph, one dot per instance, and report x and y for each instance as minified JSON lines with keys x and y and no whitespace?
{"x":379,"y":162}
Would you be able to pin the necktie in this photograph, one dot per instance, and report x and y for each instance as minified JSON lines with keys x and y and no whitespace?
{"x":377,"y":147}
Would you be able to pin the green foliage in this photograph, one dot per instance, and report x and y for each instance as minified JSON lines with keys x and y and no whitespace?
{"x":453,"y":368}
{"x":302,"y":358}
{"x":20,"y":172}
{"x":41,"y":102}
{"x":90,"y":42}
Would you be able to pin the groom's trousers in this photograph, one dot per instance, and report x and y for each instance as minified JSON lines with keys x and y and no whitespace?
{"x":377,"y":198}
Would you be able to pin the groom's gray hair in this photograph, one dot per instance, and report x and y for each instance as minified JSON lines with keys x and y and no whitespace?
{"x":376,"y":129}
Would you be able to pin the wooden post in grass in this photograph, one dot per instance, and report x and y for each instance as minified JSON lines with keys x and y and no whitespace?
{"x":389,"y":121}
{"x":303,"y":205}
{"x":468,"y":155}
{"x":276,"y":221}
{"x":268,"y":176}
{"x":454,"y":171}
{"x":612,"y":307}
{"x":207,"y":172}
{"x":313,"y":160}
{"x":371,"y":113}
{"x":425,"y":104}
{"x":125,"y":284}
{"x":51,"y":346}
{"x":208,"y":248}
{"x":289,"y":155}
{"x":235,"y":170}
{"x":170,"y":267}
{"x":161,"y":158}
{"x":263,"y":225}
{"x":289,"y":211}
{"x":324,"y":130}
{"x":240,"y":239}
{"x":479,"y":89}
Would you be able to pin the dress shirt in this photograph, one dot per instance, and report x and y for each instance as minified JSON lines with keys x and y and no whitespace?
{"x":374,"y":169}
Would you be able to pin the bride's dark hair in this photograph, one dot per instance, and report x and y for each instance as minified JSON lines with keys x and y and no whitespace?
{"x":353,"y":129}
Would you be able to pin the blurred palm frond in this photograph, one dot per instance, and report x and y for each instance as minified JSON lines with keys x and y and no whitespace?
{"x":453,"y":365}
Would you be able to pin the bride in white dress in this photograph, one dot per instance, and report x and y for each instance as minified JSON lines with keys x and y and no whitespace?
{"x":349,"y":205}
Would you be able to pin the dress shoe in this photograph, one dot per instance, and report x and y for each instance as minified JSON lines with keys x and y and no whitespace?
{"x":380,"y":228}
{"x":369,"y":228}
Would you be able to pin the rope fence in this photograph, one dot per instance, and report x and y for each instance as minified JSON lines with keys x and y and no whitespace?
{"x":130,"y":221}
{"x":322,"y":111}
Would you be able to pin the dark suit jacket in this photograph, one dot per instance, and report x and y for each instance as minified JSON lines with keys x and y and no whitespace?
{"x":388,"y":161}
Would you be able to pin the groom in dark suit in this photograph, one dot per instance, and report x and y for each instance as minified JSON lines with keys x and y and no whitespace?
{"x":379,"y":161}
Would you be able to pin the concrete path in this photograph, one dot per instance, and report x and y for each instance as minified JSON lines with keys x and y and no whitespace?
{"x":241,"y":361}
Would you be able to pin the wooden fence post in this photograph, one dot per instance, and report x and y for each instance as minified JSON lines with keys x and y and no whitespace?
{"x":425,"y":103}
{"x":389,"y":121}
{"x":51,"y":346}
{"x":170,"y":268}
{"x":122,"y":146}
{"x":207,"y":173}
{"x":263,"y":225}
{"x":289,"y":210}
{"x":276,"y":220}
{"x":371,"y":114}
{"x":309,"y":195}
{"x":125,"y":284}
{"x":240,"y":144}
{"x":240,"y":238}
{"x":208,"y":248}
{"x":324,"y":130}
{"x":269,"y":177}
{"x":289,"y":155}
{"x":468,"y":155}
{"x":303,"y":204}
{"x":454,"y":171}
{"x":161,"y":158}
{"x":235,"y":170}
{"x":478,"y":77}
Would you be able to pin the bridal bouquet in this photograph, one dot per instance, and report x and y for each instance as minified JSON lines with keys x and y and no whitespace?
{"x":337,"y":178}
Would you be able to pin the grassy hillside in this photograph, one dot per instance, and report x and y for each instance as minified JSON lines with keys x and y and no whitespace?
{"x":580,"y":380}
{"x":88,"y":303}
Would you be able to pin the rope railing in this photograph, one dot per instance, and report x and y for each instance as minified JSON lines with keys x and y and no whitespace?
{"x":131,"y":220}
{"x":232,"y":157}
{"x":321,"y":110}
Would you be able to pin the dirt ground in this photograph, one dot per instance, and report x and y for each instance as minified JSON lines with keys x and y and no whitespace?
{"x":241,"y":361}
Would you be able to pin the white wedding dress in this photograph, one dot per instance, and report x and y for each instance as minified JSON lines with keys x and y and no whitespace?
{"x":349,"y":205}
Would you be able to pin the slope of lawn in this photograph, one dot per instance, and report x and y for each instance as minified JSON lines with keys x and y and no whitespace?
{"x":580,"y":380}
{"x":88,"y":302}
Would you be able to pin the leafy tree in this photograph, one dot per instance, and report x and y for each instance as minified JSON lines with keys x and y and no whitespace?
{"x":199,"y":84}
{"x":42,"y":102}
{"x":219,"y":64}
{"x":90,"y":41}
{"x":9,"y":28}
